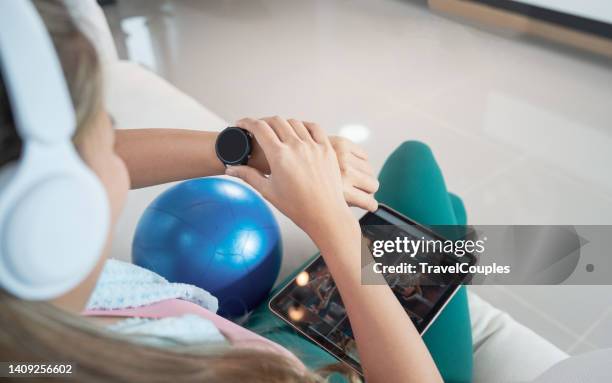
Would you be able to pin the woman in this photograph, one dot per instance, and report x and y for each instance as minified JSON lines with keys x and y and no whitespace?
{"x":305,"y":179}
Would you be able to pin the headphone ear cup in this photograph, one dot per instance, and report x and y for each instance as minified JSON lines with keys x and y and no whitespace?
{"x":54,"y":234}
{"x":54,"y":214}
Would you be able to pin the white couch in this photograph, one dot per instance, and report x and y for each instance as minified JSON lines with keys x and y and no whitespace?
{"x":504,"y":350}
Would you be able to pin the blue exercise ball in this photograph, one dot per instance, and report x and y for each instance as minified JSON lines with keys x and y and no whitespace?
{"x":214,"y":233}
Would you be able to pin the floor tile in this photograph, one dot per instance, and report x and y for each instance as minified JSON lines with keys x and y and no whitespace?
{"x":533,"y":192}
{"x":581,"y":348}
{"x":577,"y":307}
{"x":538,"y":105}
{"x":601,"y":335}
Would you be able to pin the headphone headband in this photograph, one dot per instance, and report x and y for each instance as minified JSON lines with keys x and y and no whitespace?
{"x":32,"y":75}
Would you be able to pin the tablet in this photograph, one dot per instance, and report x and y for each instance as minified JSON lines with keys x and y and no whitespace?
{"x":312,"y":305}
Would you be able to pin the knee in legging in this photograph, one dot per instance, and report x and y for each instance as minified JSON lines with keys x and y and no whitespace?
{"x":412,"y":150}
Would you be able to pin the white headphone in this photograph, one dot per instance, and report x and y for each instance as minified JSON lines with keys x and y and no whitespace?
{"x":54,"y":214}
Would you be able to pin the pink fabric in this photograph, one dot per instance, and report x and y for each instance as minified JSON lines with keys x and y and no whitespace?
{"x":237,"y":335}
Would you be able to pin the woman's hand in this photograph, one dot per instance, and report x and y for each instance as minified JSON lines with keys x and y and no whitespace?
{"x":358,"y":180}
{"x":305,"y":181}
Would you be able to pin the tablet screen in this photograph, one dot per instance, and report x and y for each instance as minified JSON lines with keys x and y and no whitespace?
{"x":312,"y":304}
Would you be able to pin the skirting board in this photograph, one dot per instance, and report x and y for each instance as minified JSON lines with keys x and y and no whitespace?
{"x":518,"y":22}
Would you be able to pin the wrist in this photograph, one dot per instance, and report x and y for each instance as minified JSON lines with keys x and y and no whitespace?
{"x":340,"y":228}
{"x":210,"y":159}
{"x":339,"y":242}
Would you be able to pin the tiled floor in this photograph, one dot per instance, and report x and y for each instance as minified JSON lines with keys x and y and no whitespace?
{"x":521,"y":128}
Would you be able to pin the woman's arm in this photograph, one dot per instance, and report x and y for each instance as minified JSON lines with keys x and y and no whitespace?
{"x":157,"y":156}
{"x":306,"y":185}
{"x":390,"y":347}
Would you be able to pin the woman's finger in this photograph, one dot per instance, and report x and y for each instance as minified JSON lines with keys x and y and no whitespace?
{"x":316,"y":132}
{"x":266,"y":139}
{"x":263,"y":133}
{"x":358,"y":150}
{"x":360,"y":199}
{"x":251,"y":176}
{"x":346,"y":145}
{"x":362,"y":181}
{"x":359,"y":164}
{"x":300,"y":129}
{"x":283,"y":129}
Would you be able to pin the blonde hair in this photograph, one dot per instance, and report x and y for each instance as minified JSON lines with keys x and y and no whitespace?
{"x":40,"y":332}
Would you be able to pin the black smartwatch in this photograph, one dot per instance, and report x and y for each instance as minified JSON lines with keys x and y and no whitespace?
{"x":233,"y":146}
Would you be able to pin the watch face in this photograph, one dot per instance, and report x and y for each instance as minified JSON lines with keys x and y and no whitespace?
{"x":233,"y":146}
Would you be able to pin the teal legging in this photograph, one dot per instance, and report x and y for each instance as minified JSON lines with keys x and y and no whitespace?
{"x":411,"y":183}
